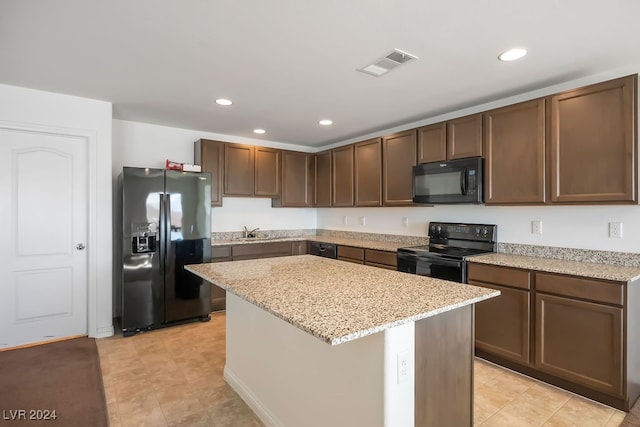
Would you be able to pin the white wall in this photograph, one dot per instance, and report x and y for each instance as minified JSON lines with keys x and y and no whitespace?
{"x":33,"y":108}
{"x":145,"y":145}
{"x":583,"y":227}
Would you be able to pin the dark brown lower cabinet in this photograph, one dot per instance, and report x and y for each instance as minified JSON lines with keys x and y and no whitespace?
{"x":299,"y":248}
{"x":351,"y":254}
{"x":381,"y":259}
{"x":502,"y":323}
{"x":577,"y":333}
{"x":580,"y":341}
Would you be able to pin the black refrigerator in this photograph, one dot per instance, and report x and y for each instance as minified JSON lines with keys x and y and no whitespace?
{"x":165,"y":224}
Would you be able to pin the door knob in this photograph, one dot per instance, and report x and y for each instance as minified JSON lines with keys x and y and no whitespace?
{"x":80,"y":246}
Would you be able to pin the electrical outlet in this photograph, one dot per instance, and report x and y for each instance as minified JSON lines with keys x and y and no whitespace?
{"x":536,"y":227}
{"x":405,"y":221}
{"x":615,"y":230}
{"x":403,"y":367}
{"x":345,"y":220}
{"x":362,"y":220}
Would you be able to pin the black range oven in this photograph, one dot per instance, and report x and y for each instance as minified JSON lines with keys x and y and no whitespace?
{"x":450,"y":244}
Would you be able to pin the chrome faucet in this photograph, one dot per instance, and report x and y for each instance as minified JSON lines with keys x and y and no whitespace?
{"x":248,"y":233}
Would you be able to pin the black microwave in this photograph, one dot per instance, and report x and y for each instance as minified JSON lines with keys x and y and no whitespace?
{"x":455,"y":181}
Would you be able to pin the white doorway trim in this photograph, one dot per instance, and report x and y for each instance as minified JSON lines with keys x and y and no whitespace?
{"x":90,"y":139}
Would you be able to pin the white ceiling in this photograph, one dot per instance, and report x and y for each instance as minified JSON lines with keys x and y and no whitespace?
{"x":288,"y":63}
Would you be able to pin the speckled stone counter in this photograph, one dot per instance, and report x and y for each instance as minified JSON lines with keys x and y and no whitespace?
{"x":338,"y":301}
{"x":586,"y":269}
{"x":359,"y":243}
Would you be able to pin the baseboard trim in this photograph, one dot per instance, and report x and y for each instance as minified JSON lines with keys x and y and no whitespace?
{"x":104,"y":332}
{"x":266,"y":416}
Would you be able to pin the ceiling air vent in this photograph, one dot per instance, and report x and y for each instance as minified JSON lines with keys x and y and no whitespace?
{"x":387,"y":63}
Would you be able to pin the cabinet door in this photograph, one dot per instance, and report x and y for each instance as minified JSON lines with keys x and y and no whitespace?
{"x":267,"y":172}
{"x":299,"y":248}
{"x":502,"y":323}
{"x":297,"y":180}
{"x":398,"y":160}
{"x":322,"y":194}
{"x":238,"y":170}
{"x":209,"y":155}
{"x":432,"y":143}
{"x":342,"y":176}
{"x":593,"y":157}
{"x":514,"y":154}
{"x":464,"y":137}
{"x":368,"y":173}
{"x":580,"y":341}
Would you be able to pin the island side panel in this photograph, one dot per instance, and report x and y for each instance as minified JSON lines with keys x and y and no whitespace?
{"x":444,"y":369}
{"x":290,"y":378}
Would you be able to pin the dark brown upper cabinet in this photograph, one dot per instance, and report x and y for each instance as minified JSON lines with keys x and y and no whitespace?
{"x":464,"y":137}
{"x":322,"y":193}
{"x":398,"y":160}
{"x":297,"y":180}
{"x":455,"y":139}
{"x":251,"y":171}
{"x":342,"y":176}
{"x":368,"y":172}
{"x":209,"y":155}
{"x":267,"y":172}
{"x":514,"y":138}
{"x":238,"y":169}
{"x":593,"y":143}
{"x":432,"y":143}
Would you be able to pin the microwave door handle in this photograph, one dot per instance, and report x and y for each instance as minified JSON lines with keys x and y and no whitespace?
{"x":463,"y":182}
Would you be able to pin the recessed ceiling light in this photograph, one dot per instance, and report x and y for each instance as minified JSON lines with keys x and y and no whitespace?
{"x":223,"y":101}
{"x":512,"y":54}
{"x":325,"y":122}
{"x":260,"y":131}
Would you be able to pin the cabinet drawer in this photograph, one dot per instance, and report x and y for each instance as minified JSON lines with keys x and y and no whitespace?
{"x":499,"y":275}
{"x":387,"y":258}
{"x":351,"y":252}
{"x":580,"y":287}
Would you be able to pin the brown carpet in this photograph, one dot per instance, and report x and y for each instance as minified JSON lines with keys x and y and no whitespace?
{"x":64,"y":377}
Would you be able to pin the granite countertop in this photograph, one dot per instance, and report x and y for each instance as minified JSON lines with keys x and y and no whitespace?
{"x":337,"y":301}
{"x":366,"y":244}
{"x":578,"y":268}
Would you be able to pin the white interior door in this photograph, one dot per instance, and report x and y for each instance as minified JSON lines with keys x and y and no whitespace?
{"x":44,"y":214}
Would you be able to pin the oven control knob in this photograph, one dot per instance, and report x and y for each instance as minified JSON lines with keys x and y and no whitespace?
{"x":485,"y":232}
{"x":439,"y":229}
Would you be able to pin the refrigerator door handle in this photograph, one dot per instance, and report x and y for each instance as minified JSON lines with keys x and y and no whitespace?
{"x":164,"y":229}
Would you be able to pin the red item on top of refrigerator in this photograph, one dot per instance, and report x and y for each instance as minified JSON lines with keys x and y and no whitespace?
{"x":174,"y":166}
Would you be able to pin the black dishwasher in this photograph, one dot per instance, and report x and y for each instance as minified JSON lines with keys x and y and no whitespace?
{"x":327,"y":250}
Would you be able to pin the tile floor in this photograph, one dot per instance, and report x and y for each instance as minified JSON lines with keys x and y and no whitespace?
{"x":173,"y":377}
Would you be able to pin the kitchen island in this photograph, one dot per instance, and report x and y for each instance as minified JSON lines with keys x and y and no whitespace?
{"x":315,"y":341}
